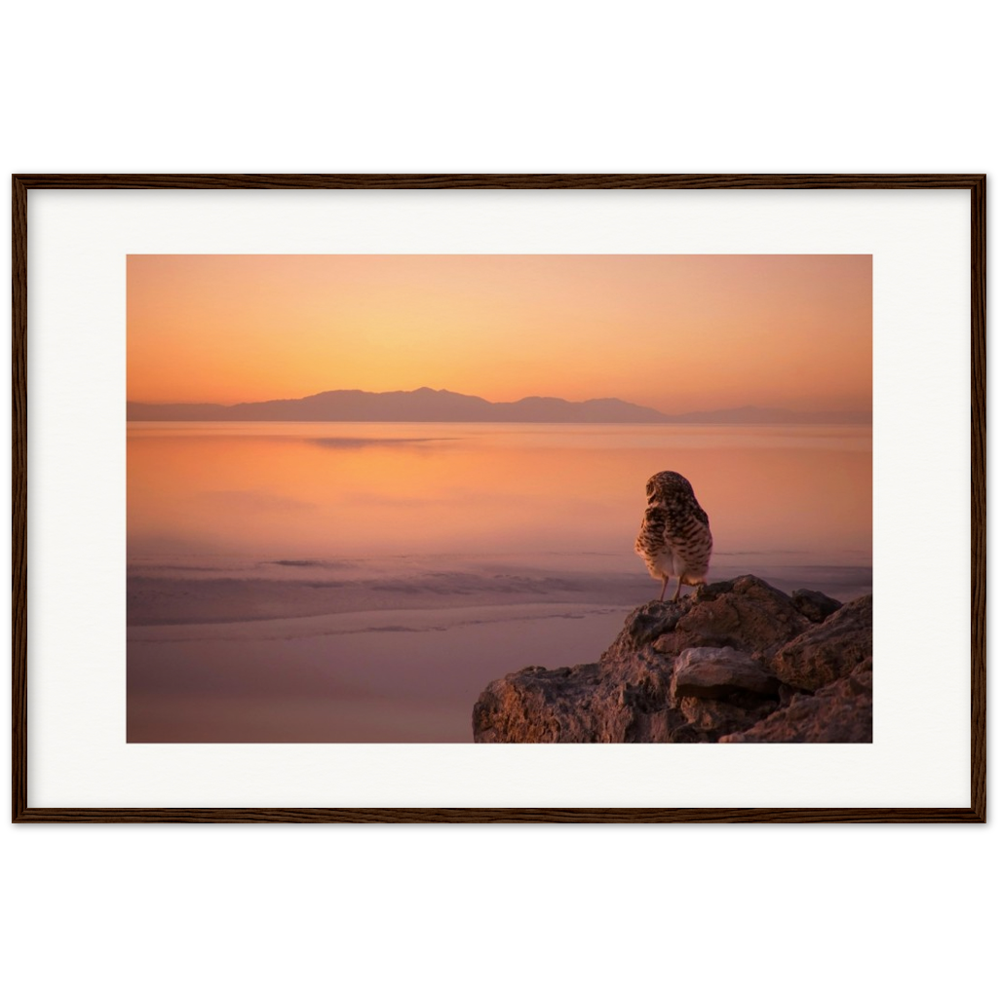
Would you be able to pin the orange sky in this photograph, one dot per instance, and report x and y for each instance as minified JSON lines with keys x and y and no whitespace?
{"x":678,"y":333}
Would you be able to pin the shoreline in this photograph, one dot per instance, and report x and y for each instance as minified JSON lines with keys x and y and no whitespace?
{"x":179,"y":596}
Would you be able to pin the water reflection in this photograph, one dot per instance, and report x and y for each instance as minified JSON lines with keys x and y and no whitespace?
{"x":294,"y":491}
{"x":406,"y":565}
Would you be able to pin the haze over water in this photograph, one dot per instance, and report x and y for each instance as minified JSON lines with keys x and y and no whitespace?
{"x":364,"y":582}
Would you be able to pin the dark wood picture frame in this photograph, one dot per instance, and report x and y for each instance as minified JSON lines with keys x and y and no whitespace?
{"x":22,"y":812}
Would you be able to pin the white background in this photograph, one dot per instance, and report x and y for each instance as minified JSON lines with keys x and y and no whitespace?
{"x":919,"y":241}
{"x":826,"y":918}
{"x":549,"y":81}
{"x":369,"y":911}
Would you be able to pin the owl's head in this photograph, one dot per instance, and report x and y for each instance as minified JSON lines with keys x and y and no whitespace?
{"x":663,"y":484}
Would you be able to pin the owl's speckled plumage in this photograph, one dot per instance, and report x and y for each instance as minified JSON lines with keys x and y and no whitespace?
{"x":674,"y":538}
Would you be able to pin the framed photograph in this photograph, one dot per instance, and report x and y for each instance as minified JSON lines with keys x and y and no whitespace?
{"x":499,"y":498}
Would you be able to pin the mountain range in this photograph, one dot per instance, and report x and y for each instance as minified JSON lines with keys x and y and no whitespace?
{"x":439,"y":405}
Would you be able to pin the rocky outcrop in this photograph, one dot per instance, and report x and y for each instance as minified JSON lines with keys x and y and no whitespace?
{"x":838,"y":713}
{"x":735,"y":662}
{"x":829,"y":650}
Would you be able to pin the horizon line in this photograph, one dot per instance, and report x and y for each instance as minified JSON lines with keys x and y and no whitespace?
{"x":592,"y":399}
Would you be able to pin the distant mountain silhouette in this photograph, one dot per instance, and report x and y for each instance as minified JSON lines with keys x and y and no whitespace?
{"x":439,"y":405}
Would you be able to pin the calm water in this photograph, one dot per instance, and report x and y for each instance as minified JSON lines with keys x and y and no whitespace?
{"x":364,"y":582}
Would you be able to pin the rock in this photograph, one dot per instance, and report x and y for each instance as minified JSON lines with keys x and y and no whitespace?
{"x":829,"y":650}
{"x":746,"y":614}
{"x":580,"y":704}
{"x":651,"y":620}
{"x":706,"y":672}
{"x":815,"y":606}
{"x":712,"y":718}
{"x":841,"y":712}
{"x":736,"y":661}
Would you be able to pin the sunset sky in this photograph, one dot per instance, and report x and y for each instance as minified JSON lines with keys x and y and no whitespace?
{"x":678,"y":333}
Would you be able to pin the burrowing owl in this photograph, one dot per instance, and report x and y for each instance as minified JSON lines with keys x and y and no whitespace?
{"x":674,"y":539}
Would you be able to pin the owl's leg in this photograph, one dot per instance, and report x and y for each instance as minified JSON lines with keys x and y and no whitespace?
{"x":677,"y":592}
{"x":663,"y":590}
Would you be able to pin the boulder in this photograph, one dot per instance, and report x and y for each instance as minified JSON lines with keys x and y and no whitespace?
{"x":706,"y":672}
{"x":829,"y":650}
{"x":815,"y":606}
{"x":736,"y":661}
{"x":841,"y":712}
{"x":746,"y":614}
{"x":582,"y":704}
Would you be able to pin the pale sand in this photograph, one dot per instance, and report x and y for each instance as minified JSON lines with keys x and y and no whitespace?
{"x":374,"y":676}
{"x":403,"y":658}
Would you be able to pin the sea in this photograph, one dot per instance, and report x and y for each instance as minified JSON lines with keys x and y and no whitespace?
{"x":364,"y":582}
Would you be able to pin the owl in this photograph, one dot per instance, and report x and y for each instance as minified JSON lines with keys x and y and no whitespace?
{"x":674,"y":538}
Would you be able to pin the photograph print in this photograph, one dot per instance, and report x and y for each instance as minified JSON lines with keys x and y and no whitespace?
{"x":499,"y":498}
